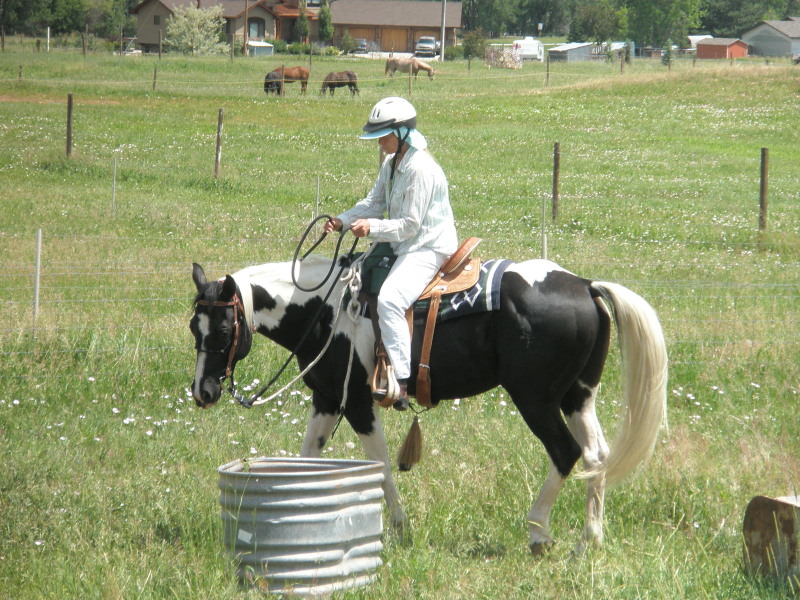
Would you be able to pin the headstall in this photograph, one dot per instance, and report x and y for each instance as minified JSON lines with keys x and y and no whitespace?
{"x":238,"y":309}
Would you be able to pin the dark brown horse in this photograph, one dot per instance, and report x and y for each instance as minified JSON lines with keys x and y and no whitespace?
{"x":340,"y":79}
{"x":274,"y":79}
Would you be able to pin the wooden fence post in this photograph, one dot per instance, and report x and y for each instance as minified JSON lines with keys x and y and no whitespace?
{"x":37,"y":275}
{"x":762,"y":214}
{"x":410,"y":69}
{"x":283,"y":81}
{"x":155,"y":76}
{"x":218,"y":156}
{"x":547,"y":77}
{"x":69,"y":125}
{"x":556,"y":175}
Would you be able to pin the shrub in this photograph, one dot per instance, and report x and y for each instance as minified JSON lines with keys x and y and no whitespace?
{"x":453,"y":52}
{"x":347,"y":44}
{"x":279,"y":46}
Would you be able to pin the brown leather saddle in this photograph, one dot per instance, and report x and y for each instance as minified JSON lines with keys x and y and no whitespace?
{"x":460,"y":272}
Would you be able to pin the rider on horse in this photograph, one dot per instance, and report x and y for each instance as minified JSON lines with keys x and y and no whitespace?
{"x":409,"y":207}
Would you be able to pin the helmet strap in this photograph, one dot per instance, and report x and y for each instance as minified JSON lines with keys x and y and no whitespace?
{"x":401,"y":142}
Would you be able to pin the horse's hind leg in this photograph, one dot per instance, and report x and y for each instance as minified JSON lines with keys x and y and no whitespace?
{"x":579,"y":406}
{"x":548,"y":425}
{"x":587,"y":431}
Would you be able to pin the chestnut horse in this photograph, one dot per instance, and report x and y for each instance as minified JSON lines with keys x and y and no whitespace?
{"x":340,"y":79}
{"x":404,"y":65}
{"x":272,"y":82}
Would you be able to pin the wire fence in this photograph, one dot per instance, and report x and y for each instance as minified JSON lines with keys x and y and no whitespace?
{"x":122,"y":306}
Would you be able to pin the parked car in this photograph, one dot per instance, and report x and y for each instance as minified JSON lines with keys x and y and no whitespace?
{"x":426,"y":46}
{"x":361,"y":46}
{"x":529,"y":49}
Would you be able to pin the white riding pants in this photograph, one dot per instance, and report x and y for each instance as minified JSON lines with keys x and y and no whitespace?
{"x":409,"y":276}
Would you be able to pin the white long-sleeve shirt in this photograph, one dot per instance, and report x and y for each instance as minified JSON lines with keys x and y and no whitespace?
{"x":414,"y":211}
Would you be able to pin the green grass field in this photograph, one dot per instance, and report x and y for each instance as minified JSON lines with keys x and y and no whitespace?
{"x":108,"y":488}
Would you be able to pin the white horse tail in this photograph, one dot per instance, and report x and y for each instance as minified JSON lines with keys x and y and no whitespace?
{"x":644,"y":364}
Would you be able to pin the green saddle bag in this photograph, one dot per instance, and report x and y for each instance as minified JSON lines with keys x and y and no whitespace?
{"x":375,"y":268}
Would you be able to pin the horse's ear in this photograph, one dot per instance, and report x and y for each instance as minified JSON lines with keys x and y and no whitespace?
{"x":199,"y":276}
{"x":228,"y":288}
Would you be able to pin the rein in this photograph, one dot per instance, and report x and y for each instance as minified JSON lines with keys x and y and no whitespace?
{"x":256,"y":398}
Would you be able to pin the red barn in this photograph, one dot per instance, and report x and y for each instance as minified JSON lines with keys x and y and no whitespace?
{"x":722,"y":48}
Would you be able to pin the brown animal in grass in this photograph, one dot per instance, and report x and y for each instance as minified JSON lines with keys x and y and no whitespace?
{"x":340,"y":79}
{"x":272,"y":82}
{"x":404,"y":65}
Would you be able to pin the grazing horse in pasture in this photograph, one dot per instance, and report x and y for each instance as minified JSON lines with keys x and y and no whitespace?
{"x":340,"y":79}
{"x":405,"y":65}
{"x":545,"y":342}
{"x":272,"y":82}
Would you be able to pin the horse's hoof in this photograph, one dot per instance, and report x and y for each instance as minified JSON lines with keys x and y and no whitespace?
{"x":401,"y":404}
{"x":541,"y":548}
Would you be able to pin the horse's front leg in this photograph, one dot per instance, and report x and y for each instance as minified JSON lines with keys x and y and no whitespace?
{"x":375,"y":448}
{"x":318,"y":432}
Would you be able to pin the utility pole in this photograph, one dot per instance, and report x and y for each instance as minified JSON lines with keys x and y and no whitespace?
{"x":442,"y":40}
{"x":246,"y":26}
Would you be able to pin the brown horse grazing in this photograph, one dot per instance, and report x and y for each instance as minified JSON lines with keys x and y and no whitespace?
{"x":272,"y":82}
{"x":404,"y":65}
{"x":340,"y":79}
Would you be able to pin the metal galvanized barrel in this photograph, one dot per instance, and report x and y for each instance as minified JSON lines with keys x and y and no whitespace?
{"x":303,"y":526}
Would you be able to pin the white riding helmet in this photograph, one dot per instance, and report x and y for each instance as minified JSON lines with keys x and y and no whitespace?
{"x":388,"y":116}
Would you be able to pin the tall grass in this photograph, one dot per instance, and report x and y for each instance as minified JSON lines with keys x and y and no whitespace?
{"x":108,"y":487}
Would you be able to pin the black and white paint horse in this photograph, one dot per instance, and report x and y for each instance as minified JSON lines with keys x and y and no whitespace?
{"x":546,"y":345}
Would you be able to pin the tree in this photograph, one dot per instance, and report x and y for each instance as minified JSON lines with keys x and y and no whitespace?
{"x":731,"y":18}
{"x":494,"y":16}
{"x":325,"y":23}
{"x":598,"y":21}
{"x":347,"y":44}
{"x":667,"y":54}
{"x":25,"y":16}
{"x":194,"y":30}
{"x":474,"y":43}
{"x":301,"y":25}
{"x":653,"y":22}
{"x":554,"y":15}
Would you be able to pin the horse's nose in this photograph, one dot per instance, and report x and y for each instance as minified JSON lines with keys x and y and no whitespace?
{"x":209,"y":393}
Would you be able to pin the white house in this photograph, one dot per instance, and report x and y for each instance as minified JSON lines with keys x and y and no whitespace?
{"x":775,"y":38}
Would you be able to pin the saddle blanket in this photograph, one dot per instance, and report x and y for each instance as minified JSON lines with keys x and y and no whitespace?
{"x":482,"y":297}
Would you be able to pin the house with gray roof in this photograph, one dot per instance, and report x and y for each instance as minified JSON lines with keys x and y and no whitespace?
{"x":394,"y":25}
{"x":775,"y":38}
{"x":391,"y":25}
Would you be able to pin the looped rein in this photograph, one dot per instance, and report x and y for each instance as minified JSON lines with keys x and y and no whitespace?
{"x":238,"y":309}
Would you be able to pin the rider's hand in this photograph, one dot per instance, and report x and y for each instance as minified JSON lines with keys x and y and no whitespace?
{"x":332,"y":224}
{"x":360,"y":228}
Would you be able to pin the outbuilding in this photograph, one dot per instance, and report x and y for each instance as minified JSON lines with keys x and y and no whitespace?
{"x":775,"y":38}
{"x":725,"y":48}
{"x":571,"y":52}
{"x":392,"y":25}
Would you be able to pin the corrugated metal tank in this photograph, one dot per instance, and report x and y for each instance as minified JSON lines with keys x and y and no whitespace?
{"x":303,"y":526}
